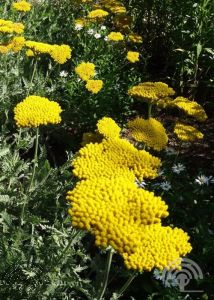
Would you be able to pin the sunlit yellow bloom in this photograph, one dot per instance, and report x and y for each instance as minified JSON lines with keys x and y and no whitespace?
{"x":22,"y":6}
{"x":135,"y":38}
{"x":151,"y":91}
{"x":112,"y":157}
{"x":10,"y":27}
{"x":94,"y":86}
{"x":98,"y":13}
{"x":108,"y":128}
{"x":17,"y":43}
{"x":4,"y":49}
{"x":192,"y":108}
{"x":115,"y":36}
{"x":34,"y":111}
{"x":85,"y":70}
{"x":133,"y":56}
{"x":150,"y":131}
{"x":187,"y":133}
{"x":29,"y":53}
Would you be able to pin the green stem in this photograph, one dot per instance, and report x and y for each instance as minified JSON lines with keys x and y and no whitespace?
{"x":35,"y":160}
{"x":149,"y":110}
{"x":126,"y":285}
{"x":32,"y":77}
{"x":106,"y":275}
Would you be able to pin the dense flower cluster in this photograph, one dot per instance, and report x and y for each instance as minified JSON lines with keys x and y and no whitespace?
{"x":59,"y":53}
{"x":114,"y":6}
{"x":187,"y":133}
{"x":133,"y":56}
{"x":151,"y":91}
{"x":192,"y":108}
{"x":22,"y":6}
{"x":150,"y":131}
{"x":97,"y":13}
{"x":94,"y":86}
{"x":7,"y":26}
{"x":34,"y":111}
{"x":135,"y":38}
{"x":85,"y":70}
{"x":108,"y":128}
{"x":115,"y":36}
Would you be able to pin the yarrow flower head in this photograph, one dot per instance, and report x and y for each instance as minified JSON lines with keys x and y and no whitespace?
{"x":85,"y":70}
{"x":97,"y":13}
{"x":34,"y":111}
{"x":150,"y":131}
{"x":187,"y":133}
{"x":108,"y":128}
{"x":192,"y":108}
{"x":135,"y":38}
{"x":133,"y":56}
{"x":23,"y":6}
{"x":94,"y":86}
{"x":7,"y":26}
{"x":115,"y":36}
{"x":151,"y":91}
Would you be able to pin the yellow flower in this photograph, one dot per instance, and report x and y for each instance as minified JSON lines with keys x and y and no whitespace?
{"x":61,"y":53}
{"x":151,"y":91}
{"x":10,"y":27}
{"x":150,"y":131}
{"x":22,"y":6}
{"x":94,"y":86}
{"x":133,"y":56}
{"x":29,"y":53}
{"x":34,"y":111}
{"x":114,"y":156}
{"x":128,"y":218}
{"x":85,"y":70}
{"x":192,"y":108}
{"x":187,"y":133}
{"x":97,"y":13}
{"x":115,"y":36}
{"x":4,"y":49}
{"x":108,"y":128}
{"x":135,"y":38}
{"x":17,"y":44}
{"x":39,"y":47}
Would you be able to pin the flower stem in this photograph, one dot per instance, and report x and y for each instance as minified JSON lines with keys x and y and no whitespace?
{"x":32,"y":77}
{"x":126,"y":285}
{"x":106,"y":275}
{"x":149,"y":110}
{"x":35,"y":160}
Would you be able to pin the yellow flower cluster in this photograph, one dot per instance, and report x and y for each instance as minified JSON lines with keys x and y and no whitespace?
{"x":192,"y":108}
{"x":17,"y":43}
{"x":133,"y":56}
{"x":94,"y":86}
{"x":115,"y":156}
{"x":34,"y":111}
{"x":10,"y":27}
{"x":135,"y":38}
{"x":85,"y":70}
{"x":151,"y":91}
{"x":187,"y":133}
{"x":97,"y":13}
{"x":114,"y":6}
{"x":22,"y":6}
{"x":108,"y":128}
{"x":115,"y":36}
{"x":60,"y":54}
{"x":150,"y":131}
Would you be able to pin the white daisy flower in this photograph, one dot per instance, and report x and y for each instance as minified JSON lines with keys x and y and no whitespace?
{"x":97,"y":36}
{"x":166,"y":186}
{"x":202,"y":180}
{"x":103,"y":27}
{"x":90,"y":31}
{"x":63,"y":74}
{"x":78,"y":27}
{"x":178,"y":168}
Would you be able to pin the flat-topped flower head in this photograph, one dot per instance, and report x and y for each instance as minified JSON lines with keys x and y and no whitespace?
{"x":151,"y":91}
{"x":34,"y":111}
{"x":150,"y":131}
{"x":115,"y":36}
{"x":187,"y":133}
{"x":85,"y":70}
{"x":23,"y":6}
{"x":108,"y":128}
{"x":191,"y":108}
{"x":97,"y":13}
{"x":133,"y":56}
{"x":94,"y":86}
{"x":115,"y":156}
{"x":135,"y":38}
{"x":7,"y":26}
